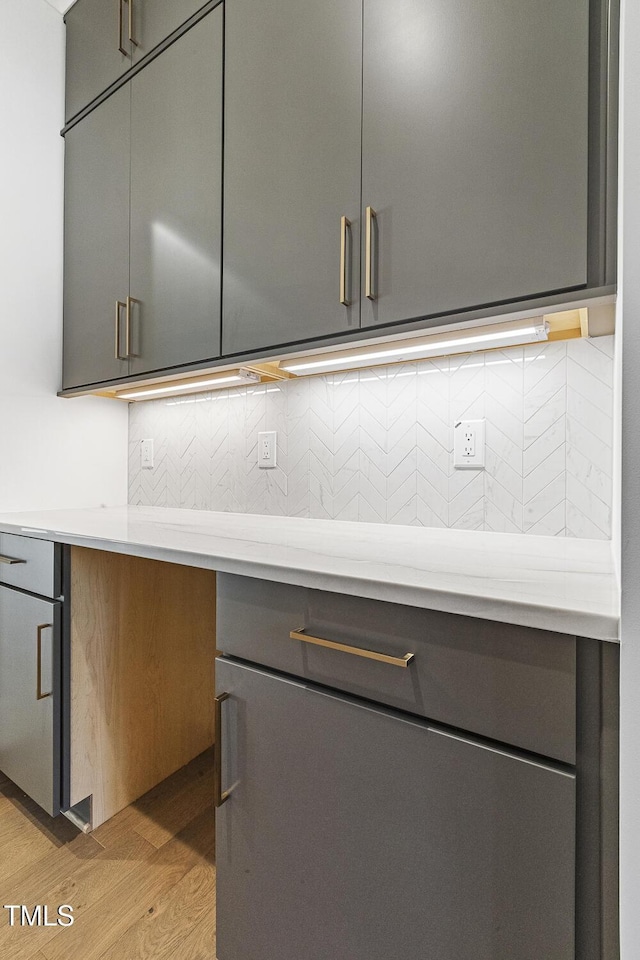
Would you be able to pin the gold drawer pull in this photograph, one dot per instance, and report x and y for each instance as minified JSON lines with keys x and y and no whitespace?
{"x":356,"y":651}
{"x":11,"y":560}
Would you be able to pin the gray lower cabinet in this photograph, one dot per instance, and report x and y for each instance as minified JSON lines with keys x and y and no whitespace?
{"x":30,"y":695}
{"x":353,"y":832}
{"x":475,"y":152}
{"x":105,"y":38}
{"x":292,"y":171}
{"x":143,"y":218}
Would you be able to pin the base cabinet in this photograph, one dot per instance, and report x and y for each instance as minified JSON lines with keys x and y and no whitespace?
{"x":30,"y":695}
{"x":352,"y":832}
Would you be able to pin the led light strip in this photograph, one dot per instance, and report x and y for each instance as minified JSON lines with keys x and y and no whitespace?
{"x":502,"y":335}
{"x":191,"y":386}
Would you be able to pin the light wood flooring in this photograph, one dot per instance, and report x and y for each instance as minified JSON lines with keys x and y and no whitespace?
{"x":142,"y":885}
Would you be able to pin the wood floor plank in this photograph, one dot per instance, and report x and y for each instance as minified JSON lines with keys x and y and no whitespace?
{"x":164,"y":810}
{"x":21,"y":842}
{"x":160,"y":933}
{"x":134,"y":898}
{"x":109,"y":918}
{"x":201,"y":942}
{"x":65,"y":882}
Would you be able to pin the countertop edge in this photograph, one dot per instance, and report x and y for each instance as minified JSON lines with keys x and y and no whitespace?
{"x":598,"y":626}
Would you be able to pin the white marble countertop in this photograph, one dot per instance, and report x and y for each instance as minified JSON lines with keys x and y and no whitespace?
{"x":555,"y":583}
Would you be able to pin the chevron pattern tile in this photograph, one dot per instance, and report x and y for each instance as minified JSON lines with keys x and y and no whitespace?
{"x":377,"y":445}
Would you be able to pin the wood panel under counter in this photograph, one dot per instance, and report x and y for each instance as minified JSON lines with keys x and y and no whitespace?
{"x":142,"y":650}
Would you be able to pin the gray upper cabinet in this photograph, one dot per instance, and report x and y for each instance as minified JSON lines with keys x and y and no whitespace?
{"x":105,"y":38}
{"x":98,"y":50}
{"x":475,"y":152}
{"x":176,"y":202}
{"x":153,"y":20}
{"x":292,"y":170}
{"x":96,"y":247}
{"x":143,"y":218}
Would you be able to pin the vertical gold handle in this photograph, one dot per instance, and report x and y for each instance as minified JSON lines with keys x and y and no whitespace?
{"x":39,"y":694}
{"x":122,"y":50}
{"x":120,"y":305}
{"x":131,"y":37}
{"x":218,"y":796}
{"x":345,"y":226}
{"x":369,"y":284}
{"x":127,"y":327}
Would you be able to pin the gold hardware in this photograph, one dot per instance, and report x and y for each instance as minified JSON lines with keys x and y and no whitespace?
{"x":370,"y":292}
{"x":344,"y":226}
{"x":119,"y":306}
{"x":11,"y":560}
{"x":39,"y":694}
{"x":356,"y":651}
{"x":131,"y":37}
{"x":127,"y":327}
{"x":218,"y":796}
{"x":120,"y":25}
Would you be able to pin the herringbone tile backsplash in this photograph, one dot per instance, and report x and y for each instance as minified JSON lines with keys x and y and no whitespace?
{"x":377,"y":445}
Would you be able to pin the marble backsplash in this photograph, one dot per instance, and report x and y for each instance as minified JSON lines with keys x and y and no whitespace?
{"x":377,"y":445}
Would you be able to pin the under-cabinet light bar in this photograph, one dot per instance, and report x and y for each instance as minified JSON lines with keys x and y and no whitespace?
{"x":498,"y":335}
{"x":189,"y":386}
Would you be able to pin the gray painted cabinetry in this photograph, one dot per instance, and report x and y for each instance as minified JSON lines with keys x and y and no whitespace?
{"x":106,"y":37}
{"x":397,"y":782}
{"x":292,"y":170}
{"x":142,"y":209}
{"x":30,"y":671}
{"x":353,"y":833}
{"x":475,"y":152}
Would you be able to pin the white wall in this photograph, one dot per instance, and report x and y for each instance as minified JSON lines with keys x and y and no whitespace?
{"x":53,"y":452}
{"x":630,"y":519}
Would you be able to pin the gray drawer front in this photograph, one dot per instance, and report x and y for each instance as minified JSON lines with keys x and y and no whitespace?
{"x":507,"y":682}
{"x":39,"y":570}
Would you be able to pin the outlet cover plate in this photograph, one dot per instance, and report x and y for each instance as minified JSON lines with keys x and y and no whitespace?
{"x":468,"y":445}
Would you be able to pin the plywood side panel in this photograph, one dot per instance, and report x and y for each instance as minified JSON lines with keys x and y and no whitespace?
{"x":142,"y":674}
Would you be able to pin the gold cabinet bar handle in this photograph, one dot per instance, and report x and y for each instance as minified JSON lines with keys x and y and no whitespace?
{"x":10,"y":560}
{"x":39,"y":694}
{"x":120,"y":305}
{"x":127,"y":327}
{"x":218,"y":796}
{"x":369,"y":287}
{"x":345,"y":226}
{"x":131,"y":37}
{"x":356,"y":651}
{"x":122,"y":50}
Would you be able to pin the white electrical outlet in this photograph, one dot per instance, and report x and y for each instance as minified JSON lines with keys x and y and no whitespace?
{"x":146,"y":454}
{"x":267,"y":449}
{"x":468,"y":444}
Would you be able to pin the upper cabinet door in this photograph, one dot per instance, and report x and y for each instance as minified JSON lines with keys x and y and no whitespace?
{"x":475,"y":125}
{"x":96,"y":243}
{"x":292,"y":170}
{"x":176,"y":183}
{"x":98,"y":50}
{"x":154,"y":20}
